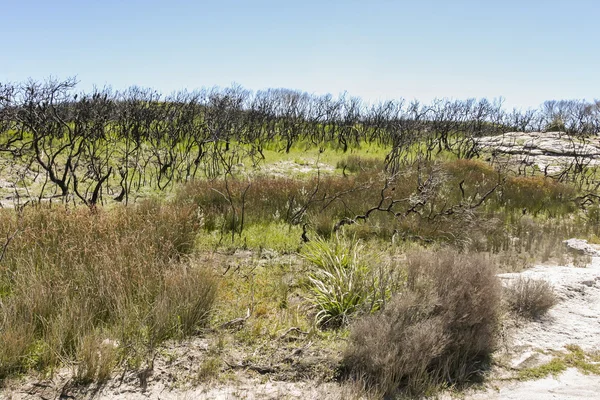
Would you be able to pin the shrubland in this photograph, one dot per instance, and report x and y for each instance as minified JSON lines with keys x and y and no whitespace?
{"x":139,"y":220}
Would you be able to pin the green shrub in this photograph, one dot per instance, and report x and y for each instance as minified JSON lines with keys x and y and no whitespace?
{"x":338,"y":284}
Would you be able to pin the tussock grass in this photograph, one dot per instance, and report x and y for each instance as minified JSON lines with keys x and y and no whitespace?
{"x":530,"y":298}
{"x":339,"y":284}
{"x":348,"y":278}
{"x":73,"y":279}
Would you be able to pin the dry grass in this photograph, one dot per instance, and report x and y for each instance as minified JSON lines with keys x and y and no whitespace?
{"x":530,"y":298}
{"x":441,"y":328}
{"x":96,"y":358}
{"x":72,"y":279}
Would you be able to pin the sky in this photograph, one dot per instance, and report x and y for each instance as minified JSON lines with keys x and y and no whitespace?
{"x":525,"y":51}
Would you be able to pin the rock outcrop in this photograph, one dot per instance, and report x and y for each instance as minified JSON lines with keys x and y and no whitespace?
{"x":549,"y":151}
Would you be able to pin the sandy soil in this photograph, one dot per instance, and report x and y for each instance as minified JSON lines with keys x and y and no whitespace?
{"x":571,"y":385}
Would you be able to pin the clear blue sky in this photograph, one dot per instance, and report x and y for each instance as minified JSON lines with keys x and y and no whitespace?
{"x":527,"y":51}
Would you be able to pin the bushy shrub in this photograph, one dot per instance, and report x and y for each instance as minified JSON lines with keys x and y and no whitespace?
{"x":440,"y":328}
{"x":530,"y":298}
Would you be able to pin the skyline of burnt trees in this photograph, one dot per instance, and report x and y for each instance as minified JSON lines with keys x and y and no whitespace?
{"x":79,"y":141}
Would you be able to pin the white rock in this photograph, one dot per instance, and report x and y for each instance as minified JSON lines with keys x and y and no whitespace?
{"x":582,"y":246}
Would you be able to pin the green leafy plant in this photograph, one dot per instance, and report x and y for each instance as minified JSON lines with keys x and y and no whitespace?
{"x":338,"y":285}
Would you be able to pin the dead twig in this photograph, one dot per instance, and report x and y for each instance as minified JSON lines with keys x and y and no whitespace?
{"x":292,"y":329}
{"x":235,"y":323}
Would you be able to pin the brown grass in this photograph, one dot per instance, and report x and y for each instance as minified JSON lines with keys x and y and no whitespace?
{"x":72,"y":279}
{"x":530,"y":298}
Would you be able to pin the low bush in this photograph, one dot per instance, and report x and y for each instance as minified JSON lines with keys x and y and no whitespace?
{"x":440,"y":329}
{"x":530,"y":298}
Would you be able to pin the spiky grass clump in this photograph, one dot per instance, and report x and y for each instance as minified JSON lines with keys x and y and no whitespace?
{"x":338,"y":283}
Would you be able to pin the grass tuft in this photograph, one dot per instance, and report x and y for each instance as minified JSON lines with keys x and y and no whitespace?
{"x":70,"y":273}
{"x":530,"y":298}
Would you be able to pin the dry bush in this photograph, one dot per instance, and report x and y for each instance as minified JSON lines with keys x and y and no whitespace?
{"x":529,"y":298}
{"x":441,"y":328}
{"x":69,"y":272}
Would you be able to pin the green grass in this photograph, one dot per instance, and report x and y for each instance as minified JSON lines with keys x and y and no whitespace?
{"x":277,"y":236}
{"x":555,"y":367}
{"x":574,"y":357}
{"x":308,"y":154}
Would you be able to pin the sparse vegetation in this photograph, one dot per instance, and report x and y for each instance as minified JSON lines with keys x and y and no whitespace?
{"x":574,"y":357}
{"x":554,"y":367}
